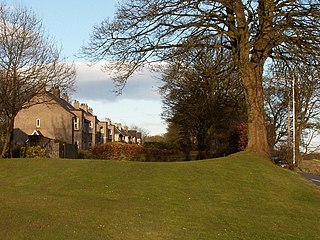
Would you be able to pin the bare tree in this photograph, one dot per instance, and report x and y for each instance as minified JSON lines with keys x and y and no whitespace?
{"x":307,"y":109}
{"x":254,"y":30}
{"x":144,"y":132}
{"x":278,"y":92}
{"x":277,"y":95}
{"x":29,"y":63}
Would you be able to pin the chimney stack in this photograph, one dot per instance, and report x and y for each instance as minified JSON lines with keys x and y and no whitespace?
{"x":76,"y":104}
{"x":55,"y":91}
{"x":65,"y":97}
{"x":84,"y":107}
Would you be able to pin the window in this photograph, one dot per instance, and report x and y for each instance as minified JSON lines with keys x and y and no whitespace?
{"x":109,"y":134}
{"x":90,"y":127}
{"x":76,"y":123}
{"x":37,"y":123}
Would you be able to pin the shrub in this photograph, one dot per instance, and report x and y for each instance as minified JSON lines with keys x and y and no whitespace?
{"x":162,"y":152}
{"x":18,"y":151}
{"x":160,"y":145}
{"x":33,"y":152}
{"x":162,"y":155}
{"x":242,"y":131}
{"x":152,"y":152}
{"x":134,"y":152}
{"x":283,"y":151}
{"x":117,"y":151}
{"x":85,"y":154}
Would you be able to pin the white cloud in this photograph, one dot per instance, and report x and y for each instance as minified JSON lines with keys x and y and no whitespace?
{"x":93,"y":84}
{"x":145,"y":114}
{"x":139,"y":105}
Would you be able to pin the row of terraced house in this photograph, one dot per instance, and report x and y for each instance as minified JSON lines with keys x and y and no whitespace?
{"x":62,"y":128}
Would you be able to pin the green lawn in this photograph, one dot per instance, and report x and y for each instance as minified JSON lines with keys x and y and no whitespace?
{"x":242,"y":196}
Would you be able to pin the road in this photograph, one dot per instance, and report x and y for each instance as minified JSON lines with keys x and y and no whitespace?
{"x":313,"y":178}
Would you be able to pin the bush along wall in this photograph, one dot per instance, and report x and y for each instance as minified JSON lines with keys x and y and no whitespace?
{"x":151,"y":152}
{"x":162,"y":152}
{"x":32,"y":152}
{"x":117,"y":151}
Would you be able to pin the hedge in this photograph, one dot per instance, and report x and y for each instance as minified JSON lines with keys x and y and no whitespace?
{"x":133,"y":152}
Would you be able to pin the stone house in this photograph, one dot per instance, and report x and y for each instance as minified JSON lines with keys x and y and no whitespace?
{"x":51,"y":117}
{"x":119,"y":133}
{"x":89,"y":131}
{"x":62,"y":128}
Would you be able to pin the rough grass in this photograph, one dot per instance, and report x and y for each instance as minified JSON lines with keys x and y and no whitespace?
{"x":242,"y":196}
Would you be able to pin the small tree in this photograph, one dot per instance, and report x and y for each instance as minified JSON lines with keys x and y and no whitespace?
{"x":29,"y":63}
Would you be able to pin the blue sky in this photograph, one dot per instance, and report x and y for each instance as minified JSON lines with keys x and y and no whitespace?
{"x":70,"y":23}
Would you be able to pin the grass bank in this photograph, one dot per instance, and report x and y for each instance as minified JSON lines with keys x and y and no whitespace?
{"x":242,"y":196}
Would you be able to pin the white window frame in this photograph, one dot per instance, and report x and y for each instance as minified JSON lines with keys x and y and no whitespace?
{"x":38,"y":123}
{"x":76,"y":123}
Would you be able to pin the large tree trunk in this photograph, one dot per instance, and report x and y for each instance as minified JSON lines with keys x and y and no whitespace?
{"x":257,"y":133}
{"x":202,"y":146}
{"x":7,"y":145}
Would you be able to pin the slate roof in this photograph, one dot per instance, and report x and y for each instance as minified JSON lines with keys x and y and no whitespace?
{"x":64,"y":104}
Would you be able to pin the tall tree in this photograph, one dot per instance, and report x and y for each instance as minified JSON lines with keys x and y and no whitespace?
{"x":146,"y":30}
{"x":307,"y":101}
{"x":202,"y":95}
{"x":29,"y":63}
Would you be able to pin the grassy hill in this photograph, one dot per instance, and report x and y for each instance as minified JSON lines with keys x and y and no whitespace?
{"x":242,"y":196}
